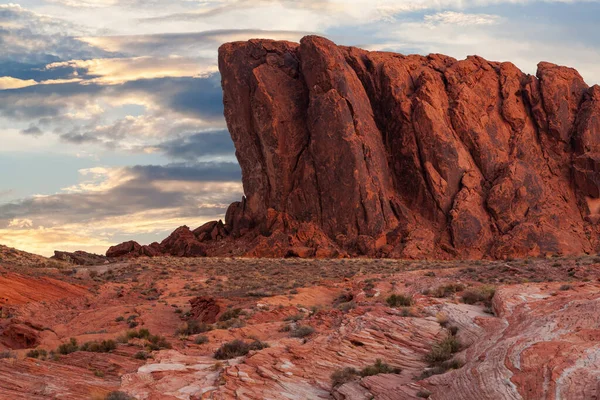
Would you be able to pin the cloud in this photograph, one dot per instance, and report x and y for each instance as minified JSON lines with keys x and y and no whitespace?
{"x":120,"y":70}
{"x":28,"y":37}
{"x":461,"y":19}
{"x":7,"y":82}
{"x":198,"y":145}
{"x":131,"y":116}
{"x":32,"y":131}
{"x":194,"y":43}
{"x":111,"y":203}
{"x":6,"y":192}
{"x":20,"y":223}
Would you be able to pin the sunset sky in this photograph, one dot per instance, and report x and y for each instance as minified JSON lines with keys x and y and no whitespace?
{"x":111,"y":124}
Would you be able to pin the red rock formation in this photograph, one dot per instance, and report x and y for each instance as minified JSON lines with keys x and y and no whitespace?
{"x":387,"y":155}
{"x":79,"y":258}
{"x":204,"y":309}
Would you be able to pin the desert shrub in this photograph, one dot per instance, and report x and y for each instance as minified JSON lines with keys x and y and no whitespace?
{"x":69,"y":347}
{"x":141,"y":355}
{"x":379,"y":368}
{"x":566,"y":287}
{"x":295,"y":317}
{"x":345,"y":307}
{"x":441,"y":368}
{"x":343,"y":376}
{"x":302,"y":331}
{"x":157,"y":342}
{"x":238,"y":348}
{"x":443,"y":351}
{"x":448,"y":290}
{"x":231,"y":323}
{"x":117,"y":395}
{"x":120,"y":319}
{"x":202,"y":339}
{"x":347,"y":374}
{"x":37,"y":354}
{"x":7,"y":354}
{"x":104,"y":346}
{"x":399,"y":300}
{"x":230,"y":314}
{"x":193,"y":327}
{"x":482,"y":294}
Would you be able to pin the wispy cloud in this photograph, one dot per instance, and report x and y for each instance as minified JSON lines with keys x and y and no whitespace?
{"x":109,"y":202}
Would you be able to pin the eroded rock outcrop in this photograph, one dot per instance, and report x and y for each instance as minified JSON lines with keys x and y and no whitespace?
{"x":387,"y":155}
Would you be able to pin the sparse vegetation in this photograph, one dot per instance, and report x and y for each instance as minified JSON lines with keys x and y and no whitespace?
{"x":399,"y":300}
{"x":379,"y":368}
{"x":141,"y":355}
{"x":238,"y":348}
{"x":295,"y":317}
{"x":448,"y":290}
{"x":193,"y":327}
{"x":68,"y":347}
{"x":347,"y":374}
{"x":443,"y":350}
{"x":37,"y":353}
{"x":302,"y":331}
{"x":482,"y":294}
{"x":202,"y":339}
{"x":230,"y":314}
{"x":7,"y":354}
{"x":117,"y":395}
{"x":104,"y":346}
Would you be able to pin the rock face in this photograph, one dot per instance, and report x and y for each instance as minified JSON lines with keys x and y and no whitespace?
{"x":350,"y":152}
{"x":79,"y":258}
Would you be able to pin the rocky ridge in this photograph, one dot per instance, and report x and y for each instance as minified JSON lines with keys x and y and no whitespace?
{"x":350,"y":152}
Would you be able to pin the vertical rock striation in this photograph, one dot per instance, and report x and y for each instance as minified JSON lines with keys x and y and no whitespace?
{"x":413,"y":156}
{"x":345,"y":151}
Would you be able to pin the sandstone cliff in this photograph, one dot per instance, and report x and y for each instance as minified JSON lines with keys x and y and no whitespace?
{"x":345,"y":151}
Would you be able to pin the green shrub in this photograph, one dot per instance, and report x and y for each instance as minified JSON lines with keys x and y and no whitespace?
{"x":230,"y":314}
{"x":37,"y":354}
{"x":399,"y":300}
{"x":379,"y":368}
{"x":295,"y":317}
{"x":202,"y":339}
{"x":448,"y":290}
{"x":117,"y":395}
{"x":302,"y":331}
{"x":482,"y":294}
{"x":443,"y":350}
{"x":238,"y":348}
{"x":343,"y":376}
{"x":141,"y":355}
{"x":347,"y":374}
{"x":99,"y":347}
{"x":7,"y":354}
{"x":68,"y":348}
{"x":193,"y":327}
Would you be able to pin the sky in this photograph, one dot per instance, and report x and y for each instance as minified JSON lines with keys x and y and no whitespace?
{"x":111,"y":115}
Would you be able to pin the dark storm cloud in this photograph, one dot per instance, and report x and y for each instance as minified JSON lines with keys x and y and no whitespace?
{"x":148,"y":188}
{"x":203,"y":171}
{"x":32,"y":131}
{"x":199,"y":145}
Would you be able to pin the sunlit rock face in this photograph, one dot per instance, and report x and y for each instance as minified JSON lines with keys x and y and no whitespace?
{"x":349,"y":152}
{"x":412,"y":156}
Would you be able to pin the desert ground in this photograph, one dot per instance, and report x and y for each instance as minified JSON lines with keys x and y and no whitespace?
{"x":235,"y":328}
